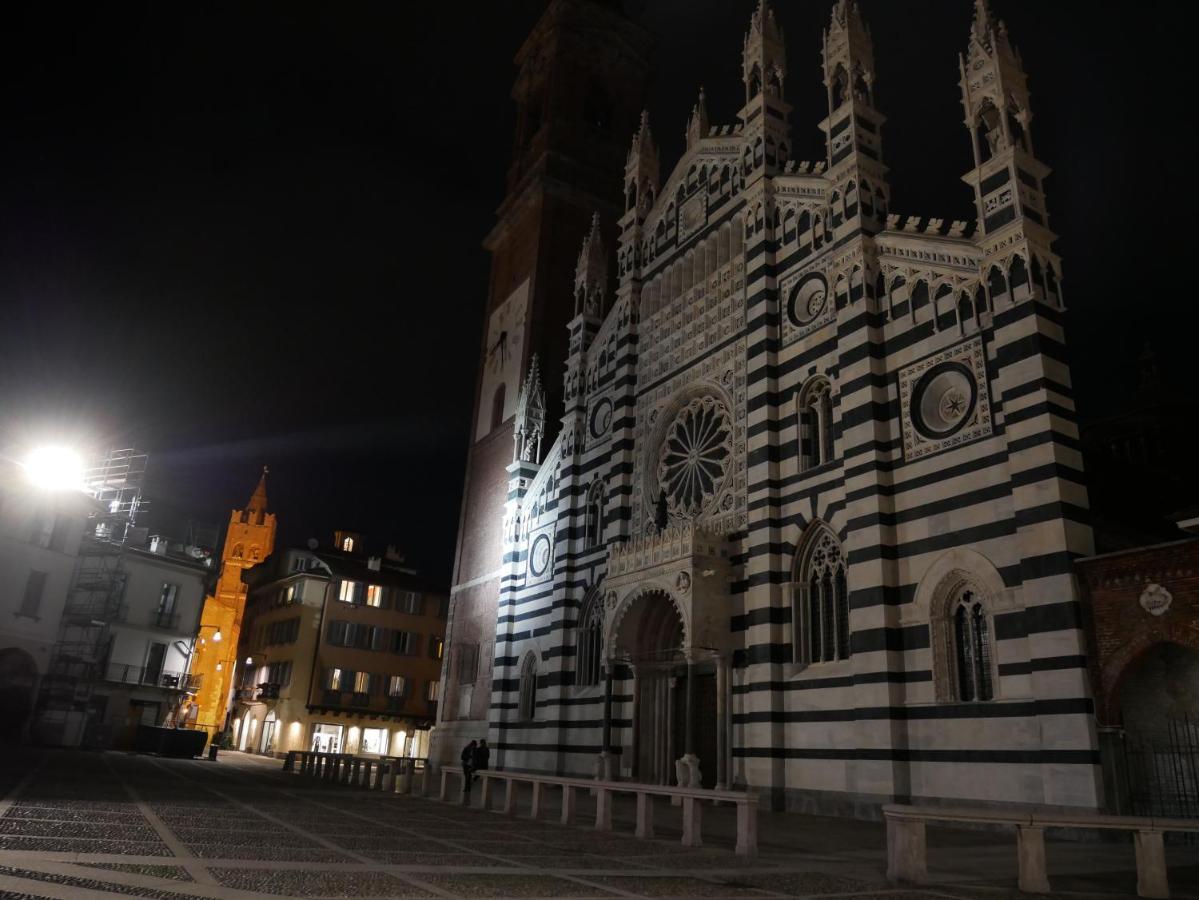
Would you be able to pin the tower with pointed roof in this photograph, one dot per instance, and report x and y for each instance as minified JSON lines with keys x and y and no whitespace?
{"x":578,"y":92}
{"x":249,"y":539}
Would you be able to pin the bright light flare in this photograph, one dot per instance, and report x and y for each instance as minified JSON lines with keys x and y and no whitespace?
{"x":54,"y":469}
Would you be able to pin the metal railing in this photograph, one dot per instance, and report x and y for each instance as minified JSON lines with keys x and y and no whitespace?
{"x":150,"y":677}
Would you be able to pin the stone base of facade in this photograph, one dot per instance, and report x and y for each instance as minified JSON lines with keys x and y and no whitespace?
{"x":450,"y":737}
{"x":868,"y":807}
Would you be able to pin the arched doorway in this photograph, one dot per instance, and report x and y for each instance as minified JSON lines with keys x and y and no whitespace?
{"x":674,"y":691}
{"x":18,"y":678}
{"x":1157,"y":700}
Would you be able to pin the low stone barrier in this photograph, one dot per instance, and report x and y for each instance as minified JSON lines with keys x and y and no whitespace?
{"x":387,"y":774}
{"x":907,"y":849}
{"x":691,"y":799}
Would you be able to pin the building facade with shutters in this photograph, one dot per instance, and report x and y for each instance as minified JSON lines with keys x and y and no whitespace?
{"x":809,"y":523}
{"x":340,"y":652}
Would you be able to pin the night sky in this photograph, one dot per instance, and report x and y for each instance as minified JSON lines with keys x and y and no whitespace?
{"x":239,"y":234}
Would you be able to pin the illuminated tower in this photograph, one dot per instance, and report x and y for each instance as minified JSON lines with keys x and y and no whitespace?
{"x":248,"y":541}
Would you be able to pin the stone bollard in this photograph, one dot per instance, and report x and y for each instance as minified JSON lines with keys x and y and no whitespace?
{"x":289,"y":761}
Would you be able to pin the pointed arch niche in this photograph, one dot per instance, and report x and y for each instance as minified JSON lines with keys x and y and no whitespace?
{"x":960,"y":594}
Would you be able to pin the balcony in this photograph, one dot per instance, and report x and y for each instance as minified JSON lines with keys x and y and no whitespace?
{"x":150,"y":677}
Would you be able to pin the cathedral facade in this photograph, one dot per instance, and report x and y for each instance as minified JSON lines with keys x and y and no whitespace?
{"x":808,"y":525}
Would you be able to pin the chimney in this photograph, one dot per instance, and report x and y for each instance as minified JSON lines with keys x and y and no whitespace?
{"x":374,"y":563}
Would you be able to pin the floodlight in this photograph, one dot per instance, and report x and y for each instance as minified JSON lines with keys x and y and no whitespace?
{"x":54,"y":468}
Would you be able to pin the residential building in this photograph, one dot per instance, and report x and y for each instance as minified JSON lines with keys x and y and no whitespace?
{"x":146,"y":677}
{"x":249,"y":539}
{"x":40,"y":533}
{"x":341,"y":652}
{"x":809,"y":525}
{"x":113,"y":613}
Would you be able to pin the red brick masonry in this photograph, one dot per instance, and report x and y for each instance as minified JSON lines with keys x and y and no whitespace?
{"x":1120,"y":628}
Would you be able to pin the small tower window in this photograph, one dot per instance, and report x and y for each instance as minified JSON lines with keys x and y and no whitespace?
{"x":840,"y":86}
{"x":755,"y":81}
{"x":597,"y":107}
{"x":815,"y":425}
{"x":972,"y":648}
{"x":590,"y":643}
{"x":497,"y":407}
{"x":347,"y":544}
{"x":528,"y":688}
{"x":595,"y":514}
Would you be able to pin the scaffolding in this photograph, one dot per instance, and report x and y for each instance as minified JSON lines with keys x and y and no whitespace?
{"x":68,"y":713}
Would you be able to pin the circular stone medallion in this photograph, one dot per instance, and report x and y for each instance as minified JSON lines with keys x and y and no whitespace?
{"x":807,"y":299}
{"x":944,"y":400}
{"x":539,"y":556}
{"x":601,"y":417}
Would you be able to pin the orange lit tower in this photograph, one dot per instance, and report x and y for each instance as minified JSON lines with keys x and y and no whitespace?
{"x":248,"y":541}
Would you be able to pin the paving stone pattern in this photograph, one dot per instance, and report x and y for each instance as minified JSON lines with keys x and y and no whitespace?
{"x":78,"y":824}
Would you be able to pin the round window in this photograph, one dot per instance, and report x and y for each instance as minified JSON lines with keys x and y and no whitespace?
{"x":695,"y":456}
{"x":944,"y":400}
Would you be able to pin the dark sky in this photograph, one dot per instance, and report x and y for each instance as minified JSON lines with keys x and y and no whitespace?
{"x":239,"y":234}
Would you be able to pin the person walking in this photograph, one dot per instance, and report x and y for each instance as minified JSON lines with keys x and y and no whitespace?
{"x":468,"y":765}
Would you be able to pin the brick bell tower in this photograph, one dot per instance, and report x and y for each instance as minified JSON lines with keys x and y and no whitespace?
{"x":578,"y":92}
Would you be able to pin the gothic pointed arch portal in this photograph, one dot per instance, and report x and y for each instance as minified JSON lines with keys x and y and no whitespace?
{"x":674,"y":693}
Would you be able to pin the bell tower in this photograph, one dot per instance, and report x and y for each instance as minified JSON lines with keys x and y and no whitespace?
{"x":249,"y":539}
{"x":578,"y":93}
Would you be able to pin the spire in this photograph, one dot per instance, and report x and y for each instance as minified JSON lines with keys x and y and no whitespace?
{"x":258,"y":498}
{"x":591,"y":274}
{"x":763,"y":25}
{"x":641,"y":168}
{"x":981,"y":27}
{"x":764,"y":57}
{"x":698,"y":125}
{"x":530,"y":417}
{"x":848,"y":56}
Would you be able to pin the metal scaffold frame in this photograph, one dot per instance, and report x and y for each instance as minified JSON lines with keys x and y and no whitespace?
{"x":66,"y":713}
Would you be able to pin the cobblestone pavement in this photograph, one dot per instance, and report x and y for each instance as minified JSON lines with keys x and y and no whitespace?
{"x":90,"y":825}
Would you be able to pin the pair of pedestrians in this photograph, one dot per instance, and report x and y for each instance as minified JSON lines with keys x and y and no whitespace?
{"x":475,"y":756}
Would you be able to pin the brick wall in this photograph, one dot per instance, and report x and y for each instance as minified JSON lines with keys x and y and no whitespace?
{"x":1120,"y":629}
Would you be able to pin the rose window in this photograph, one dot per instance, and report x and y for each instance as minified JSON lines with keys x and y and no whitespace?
{"x":695,"y":456}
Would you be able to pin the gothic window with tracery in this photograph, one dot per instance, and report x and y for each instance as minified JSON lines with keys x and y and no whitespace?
{"x":596,"y":497}
{"x":590,"y":646}
{"x":820,"y":604}
{"x":972,"y":647}
{"x":528,"y":688}
{"x":815,"y":424}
